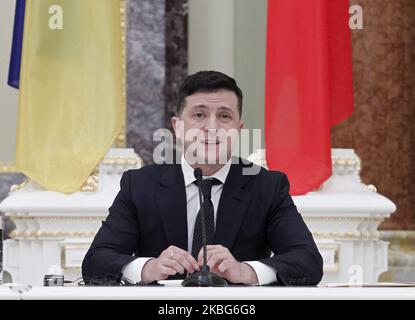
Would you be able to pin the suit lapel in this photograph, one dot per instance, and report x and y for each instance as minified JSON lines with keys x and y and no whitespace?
{"x":173,"y":205}
{"x":232,"y":208}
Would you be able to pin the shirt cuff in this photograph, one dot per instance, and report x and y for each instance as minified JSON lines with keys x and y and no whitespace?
{"x":132,"y":271}
{"x":264,"y":273}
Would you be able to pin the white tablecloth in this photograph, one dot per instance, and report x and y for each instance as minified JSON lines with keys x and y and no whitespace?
{"x":6,"y":293}
{"x":229,"y":293}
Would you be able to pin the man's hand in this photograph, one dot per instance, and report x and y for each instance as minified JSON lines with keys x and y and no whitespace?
{"x":171,"y":261}
{"x":222,"y":262}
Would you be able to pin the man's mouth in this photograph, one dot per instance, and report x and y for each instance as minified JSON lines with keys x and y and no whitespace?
{"x":208,"y":142}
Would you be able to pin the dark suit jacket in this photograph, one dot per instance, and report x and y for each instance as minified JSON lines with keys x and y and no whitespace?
{"x":256,"y":215}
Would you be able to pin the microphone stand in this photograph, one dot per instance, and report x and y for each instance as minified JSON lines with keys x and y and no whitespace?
{"x":204,"y":277}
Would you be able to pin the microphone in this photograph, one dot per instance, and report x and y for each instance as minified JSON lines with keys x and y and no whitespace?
{"x":203,"y":278}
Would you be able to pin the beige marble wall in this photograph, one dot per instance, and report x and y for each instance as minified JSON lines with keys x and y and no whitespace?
{"x":382,"y":129}
{"x":401,"y":258}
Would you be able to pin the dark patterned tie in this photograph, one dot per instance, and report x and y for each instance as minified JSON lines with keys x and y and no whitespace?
{"x":206,"y":187}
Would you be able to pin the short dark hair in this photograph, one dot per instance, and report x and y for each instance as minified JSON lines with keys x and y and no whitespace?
{"x":207,"y":81}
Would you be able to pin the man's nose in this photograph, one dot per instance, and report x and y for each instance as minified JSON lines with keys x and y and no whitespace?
{"x":211,"y":123}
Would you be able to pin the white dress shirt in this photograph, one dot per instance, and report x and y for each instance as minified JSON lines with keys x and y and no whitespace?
{"x":265,"y":273}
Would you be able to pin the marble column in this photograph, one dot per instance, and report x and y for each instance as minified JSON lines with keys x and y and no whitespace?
{"x":156,"y":65}
{"x":145,"y":73}
{"x":176,"y":53}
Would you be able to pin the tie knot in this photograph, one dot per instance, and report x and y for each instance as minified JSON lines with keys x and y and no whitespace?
{"x":206,"y":186}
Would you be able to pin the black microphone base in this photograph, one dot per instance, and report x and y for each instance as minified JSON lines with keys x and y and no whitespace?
{"x":204,"y":279}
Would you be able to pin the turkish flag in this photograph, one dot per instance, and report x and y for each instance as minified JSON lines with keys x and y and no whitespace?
{"x":309,"y":86}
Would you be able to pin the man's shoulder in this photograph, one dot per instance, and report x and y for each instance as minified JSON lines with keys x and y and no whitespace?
{"x":153,"y":171}
{"x":148,"y":171}
{"x":265,"y":181}
{"x":261,"y":172}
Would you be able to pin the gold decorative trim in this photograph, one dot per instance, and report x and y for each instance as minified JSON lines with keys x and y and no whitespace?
{"x":352,"y":235}
{"x":328,"y":246}
{"x":13,"y":234}
{"x":361,"y":219}
{"x":120,"y":141}
{"x":13,"y":218}
{"x":123,"y":160}
{"x":7,"y":167}
{"x":353,"y":162}
{"x":371,"y":187}
{"x":26,"y":234}
{"x":398,"y":235}
{"x":92,"y":182}
{"x":57,"y":218}
{"x":349,"y":235}
{"x":336,"y":161}
{"x":16,"y":187}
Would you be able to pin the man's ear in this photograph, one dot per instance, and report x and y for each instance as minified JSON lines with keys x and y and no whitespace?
{"x":176,"y":127}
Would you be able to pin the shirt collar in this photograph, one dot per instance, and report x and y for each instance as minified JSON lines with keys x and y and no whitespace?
{"x":189,"y":177}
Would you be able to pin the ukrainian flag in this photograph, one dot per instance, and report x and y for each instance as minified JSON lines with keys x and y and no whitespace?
{"x":71,"y":100}
{"x":16,"y":54}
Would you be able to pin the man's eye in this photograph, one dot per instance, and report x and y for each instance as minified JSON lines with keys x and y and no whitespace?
{"x":226,"y":116}
{"x":198,"y":114}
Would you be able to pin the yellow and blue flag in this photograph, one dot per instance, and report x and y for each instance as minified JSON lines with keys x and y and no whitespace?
{"x":71,"y":98}
{"x":16,"y":52}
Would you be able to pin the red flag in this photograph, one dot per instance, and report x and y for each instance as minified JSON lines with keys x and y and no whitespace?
{"x":309,"y":86}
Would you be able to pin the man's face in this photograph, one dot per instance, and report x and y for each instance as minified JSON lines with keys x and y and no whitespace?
{"x":207,"y":125}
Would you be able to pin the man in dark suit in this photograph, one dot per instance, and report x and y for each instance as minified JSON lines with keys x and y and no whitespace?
{"x":153,"y":228}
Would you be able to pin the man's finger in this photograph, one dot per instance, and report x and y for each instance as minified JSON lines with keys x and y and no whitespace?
{"x":215,"y":259}
{"x":216,"y":249}
{"x":191,"y":260}
{"x":224,"y":265}
{"x":213,"y":249}
{"x":214,"y":246}
{"x":171,"y":250}
{"x":186,"y":264}
{"x":172,"y":264}
{"x":167,"y":270}
{"x":208,"y":253}
{"x":175,"y":252}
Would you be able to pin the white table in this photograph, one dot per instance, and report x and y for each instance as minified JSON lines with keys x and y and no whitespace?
{"x":7,"y":293}
{"x":173,"y":291}
{"x":229,"y":293}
